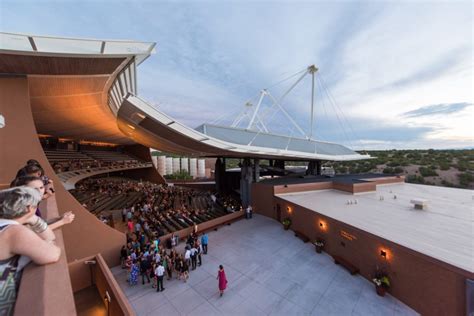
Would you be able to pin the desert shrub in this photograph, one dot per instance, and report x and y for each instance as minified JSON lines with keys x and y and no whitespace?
{"x":447,"y":184}
{"x":465,"y":178}
{"x":398,"y":170}
{"x":427,"y":172}
{"x":415,"y":179}
{"x":444,"y":166}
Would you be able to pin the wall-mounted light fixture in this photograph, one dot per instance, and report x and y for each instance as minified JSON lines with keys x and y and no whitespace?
{"x":322,"y":225}
{"x":383,"y":253}
{"x":289,"y":209}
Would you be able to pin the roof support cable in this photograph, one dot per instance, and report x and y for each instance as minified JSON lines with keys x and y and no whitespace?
{"x":348,"y":123}
{"x":341,"y":124}
{"x":277,"y":103}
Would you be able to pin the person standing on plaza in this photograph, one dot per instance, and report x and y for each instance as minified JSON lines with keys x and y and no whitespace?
{"x":159,"y":272}
{"x":185,"y":270}
{"x":204,"y":242}
{"x":193,"y":257}
{"x":199,"y":252}
{"x":169,"y":266}
{"x":145,"y":269}
{"x":222,"y":279}
{"x":187,"y":256}
{"x":134,"y":270}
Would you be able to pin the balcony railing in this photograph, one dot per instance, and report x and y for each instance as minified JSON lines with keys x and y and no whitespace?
{"x":46,"y":289}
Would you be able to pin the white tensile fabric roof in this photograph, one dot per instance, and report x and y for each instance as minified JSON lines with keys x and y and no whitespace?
{"x":259,"y":139}
{"x":137,"y":117}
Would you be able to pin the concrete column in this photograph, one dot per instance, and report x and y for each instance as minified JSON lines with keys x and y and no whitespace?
{"x":314,"y":168}
{"x":219,"y":175}
{"x":256,"y":170}
{"x":245,"y":182}
{"x":279,"y":164}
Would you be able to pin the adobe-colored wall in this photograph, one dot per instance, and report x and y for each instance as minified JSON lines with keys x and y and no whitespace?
{"x":87,"y":235}
{"x":262,"y":199}
{"x":84,"y":275}
{"x":16,"y":147}
{"x":144,"y":154}
{"x":387,"y":180}
{"x":364,"y":187}
{"x":280,"y":189}
{"x":105,"y":281}
{"x":429,"y":286}
{"x":346,"y":187}
{"x":144,"y":174}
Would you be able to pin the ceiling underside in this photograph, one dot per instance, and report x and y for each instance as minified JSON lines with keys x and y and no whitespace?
{"x":74,"y":107}
{"x":68,"y":95}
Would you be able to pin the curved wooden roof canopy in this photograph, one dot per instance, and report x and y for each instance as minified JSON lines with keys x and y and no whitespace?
{"x":69,"y":92}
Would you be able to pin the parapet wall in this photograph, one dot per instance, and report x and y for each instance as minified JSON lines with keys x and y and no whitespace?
{"x":428,"y":285}
{"x":86,"y":236}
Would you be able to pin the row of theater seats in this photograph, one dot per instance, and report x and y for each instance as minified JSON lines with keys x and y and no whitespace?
{"x":65,"y":155}
{"x":175,"y":222}
{"x":108,"y":155}
{"x":102,"y":202}
{"x":60,"y":155}
{"x":184,"y":209}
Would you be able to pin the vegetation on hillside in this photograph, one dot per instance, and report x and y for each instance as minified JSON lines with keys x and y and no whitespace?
{"x":451,"y":168}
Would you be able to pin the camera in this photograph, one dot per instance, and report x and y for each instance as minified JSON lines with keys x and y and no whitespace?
{"x":45,"y":180}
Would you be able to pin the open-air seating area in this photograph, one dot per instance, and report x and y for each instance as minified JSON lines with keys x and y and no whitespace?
{"x":168,"y":209}
{"x":69,"y":160}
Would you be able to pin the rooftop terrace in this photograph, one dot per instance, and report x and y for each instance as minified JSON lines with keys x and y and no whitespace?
{"x":445,"y":230}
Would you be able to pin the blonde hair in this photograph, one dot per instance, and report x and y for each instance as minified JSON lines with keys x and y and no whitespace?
{"x":14,"y":202}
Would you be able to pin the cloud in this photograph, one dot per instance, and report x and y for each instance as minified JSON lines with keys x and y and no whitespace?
{"x":437,"y":109}
{"x":380,"y":60}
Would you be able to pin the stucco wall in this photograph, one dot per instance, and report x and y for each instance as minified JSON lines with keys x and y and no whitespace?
{"x":87,"y":235}
{"x":429,"y":286}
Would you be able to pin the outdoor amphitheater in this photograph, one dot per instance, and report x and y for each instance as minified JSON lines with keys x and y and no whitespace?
{"x":141,"y":214}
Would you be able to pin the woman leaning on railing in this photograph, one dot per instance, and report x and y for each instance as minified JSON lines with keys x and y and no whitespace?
{"x":24,"y":236}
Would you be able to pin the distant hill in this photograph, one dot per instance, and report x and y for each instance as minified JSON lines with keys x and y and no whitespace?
{"x":449,"y":168}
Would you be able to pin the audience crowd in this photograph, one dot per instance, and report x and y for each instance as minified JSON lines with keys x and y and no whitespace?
{"x":161,"y":209}
{"x":80,"y":164}
{"x":150,"y":261}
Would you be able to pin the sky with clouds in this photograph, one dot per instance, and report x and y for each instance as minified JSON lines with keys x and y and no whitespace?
{"x":391,"y":74}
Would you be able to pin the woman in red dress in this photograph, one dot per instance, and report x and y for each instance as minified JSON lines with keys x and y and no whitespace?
{"x":222,"y":279}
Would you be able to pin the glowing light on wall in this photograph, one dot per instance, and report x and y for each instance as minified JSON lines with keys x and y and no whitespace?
{"x":289,"y":209}
{"x":322,"y":225}
{"x":384,"y":253}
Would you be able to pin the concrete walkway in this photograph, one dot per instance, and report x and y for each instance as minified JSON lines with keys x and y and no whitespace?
{"x":270,"y":272}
